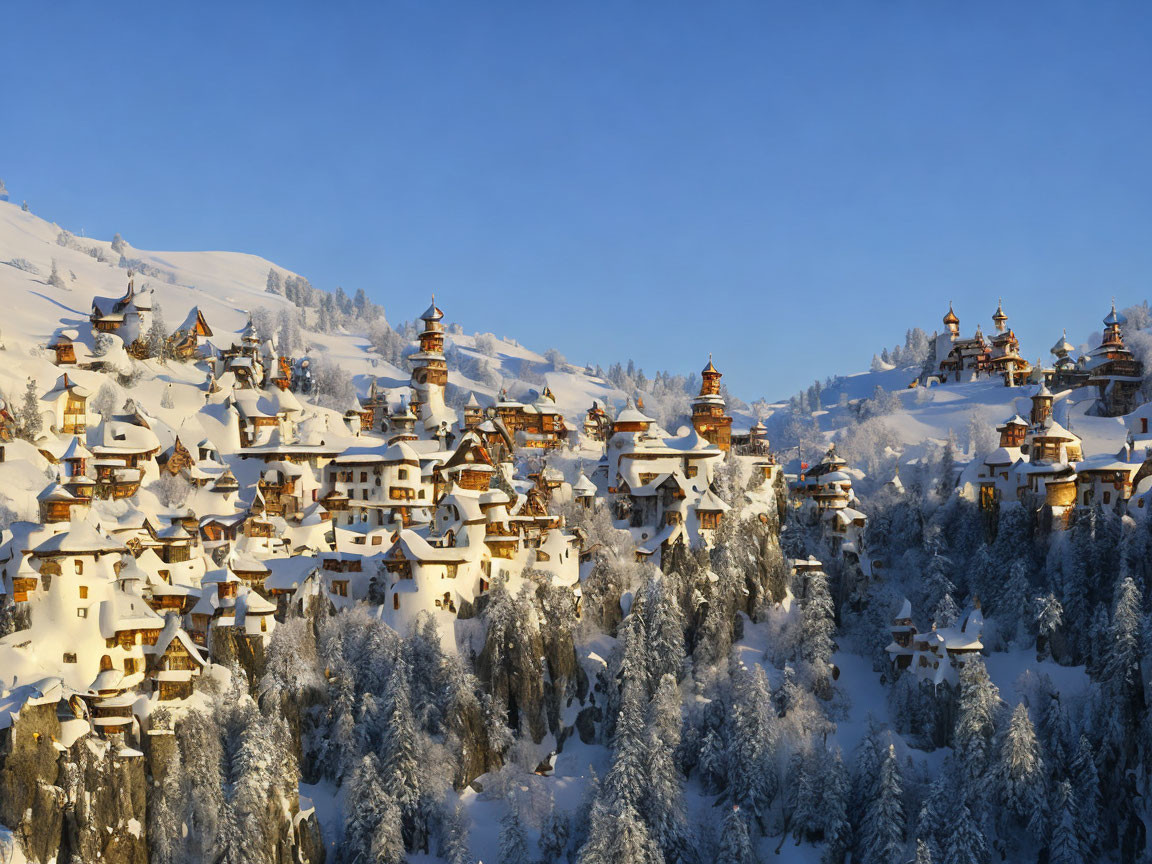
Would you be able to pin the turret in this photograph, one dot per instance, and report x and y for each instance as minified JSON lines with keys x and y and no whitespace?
{"x":999,"y":319}
{"x":430,"y":371}
{"x":1041,"y":405}
{"x":708,"y":416}
{"x":951,"y":322}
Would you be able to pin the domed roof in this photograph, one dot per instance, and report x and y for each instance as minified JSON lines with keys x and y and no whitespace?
{"x":951,"y":318}
{"x":1115,"y":317}
{"x":709,"y":369}
{"x":1063,"y":346}
{"x":999,"y":315}
{"x":432,"y":313}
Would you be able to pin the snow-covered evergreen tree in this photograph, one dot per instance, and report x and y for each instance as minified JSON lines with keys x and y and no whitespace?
{"x":735,"y":844}
{"x":1020,"y":775}
{"x":883,"y":823}
{"x":28,"y":420}
{"x":977,"y":709}
{"x":966,"y":843}
{"x":513,"y":844}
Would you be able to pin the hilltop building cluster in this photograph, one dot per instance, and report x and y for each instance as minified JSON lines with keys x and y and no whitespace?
{"x":122,"y":595}
{"x":1110,"y":368}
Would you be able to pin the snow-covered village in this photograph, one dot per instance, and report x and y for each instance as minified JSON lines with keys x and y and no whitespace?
{"x":294,"y":573}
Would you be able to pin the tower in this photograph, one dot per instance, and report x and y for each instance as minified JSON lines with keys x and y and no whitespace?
{"x":708,"y":416}
{"x":1041,"y":405}
{"x":999,"y":319}
{"x":952,"y":322}
{"x":430,"y":371}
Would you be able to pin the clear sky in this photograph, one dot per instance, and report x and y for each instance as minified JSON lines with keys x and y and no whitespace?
{"x":787,"y":185}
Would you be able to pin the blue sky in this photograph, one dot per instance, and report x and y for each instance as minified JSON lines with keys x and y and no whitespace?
{"x":787,"y":185}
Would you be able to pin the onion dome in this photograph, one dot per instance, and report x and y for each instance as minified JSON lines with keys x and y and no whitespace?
{"x":432,"y":313}
{"x":1114,"y":317}
{"x":999,"y":316}
{"x":951,"y":318}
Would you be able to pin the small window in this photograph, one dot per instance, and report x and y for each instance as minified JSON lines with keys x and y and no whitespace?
{"x":395,"y":601}
{"x":377,"y":540}
{"x":82,"y":612}
{"x":69,"y":658}
{"x":83,"y":592}
{"x":79,"y":566}
{"x":363,"y":476}
{"x":402,"y":474}
{"x":1107,"y":497}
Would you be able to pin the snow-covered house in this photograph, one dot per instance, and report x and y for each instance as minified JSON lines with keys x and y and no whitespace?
{"x":937,"y":655}
{"x":128,"y":316}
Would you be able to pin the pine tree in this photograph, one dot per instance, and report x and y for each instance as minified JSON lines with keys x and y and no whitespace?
{"x":816,"y":632}
{"x":923,"y":853}
{"x":1067,"y":846}
{"x":1020,"y":776}
{"x":1086,"y":782}
{"x":616,"y":836}
{"x":933,"y":818}
{"x":712,"y":764}
{"x":454,"y":841}
{"x":399,"y":753}
{"x":882,"y":827}
{"x":665,"y":627}
{"x":56,"y":280}
{"x":966,"y":843}
{"x":735,"y":844}
{"x":513,"y":845}
{"x":662,"y":803}
{"x":752,"y":743}
{"x":274,"y":284}
{"x":554,"y":836}
{"x":28,"y":421}
{"x":837,"y":825}
{"x":977,"y":708}
{"x":1122,"y":671}
{"x":166,"y":809}
{"x":157,"y":336}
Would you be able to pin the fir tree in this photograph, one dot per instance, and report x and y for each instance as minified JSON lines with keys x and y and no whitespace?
{"x":735,"y":844}
{"x":1020,"y":776}
{"x":1086,"y":782}
{"x":752,"y":743}
{"x":662,"y":803}
{"x":554,"y":836}
{"x":966,"y":843}
{"x":399,"y":754}
{"x":56,"y":280}
{"x":1122,"y":671}
{"x":28,"y":421}
{"x":923,"y":853}
{"x":1067,"y":845}
{"x":977,"y":708}
{"x":513,"y":845}
{"x":454,"y":840}
{"x":882,"y":826}
{"x":837,"y":826}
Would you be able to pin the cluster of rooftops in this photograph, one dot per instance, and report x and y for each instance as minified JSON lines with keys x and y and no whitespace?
{"x":123,"y":593}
